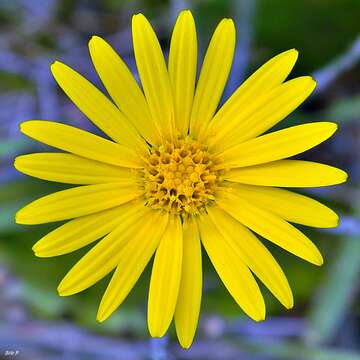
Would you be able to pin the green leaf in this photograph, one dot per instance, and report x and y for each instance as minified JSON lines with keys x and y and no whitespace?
{"x":344,"y":110}
{"x":334,"y":296}
{"x":8,"y":147}
{"x":295,"y":351}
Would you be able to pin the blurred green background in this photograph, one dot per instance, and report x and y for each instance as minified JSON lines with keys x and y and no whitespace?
{"x":325,"y":323}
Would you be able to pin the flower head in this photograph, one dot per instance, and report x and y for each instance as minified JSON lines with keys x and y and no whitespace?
{"x":177,"y":172}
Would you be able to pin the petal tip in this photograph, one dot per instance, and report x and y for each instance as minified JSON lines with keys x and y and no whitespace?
{"x":138,"y":16}
{"x":55,"y":65}
{"x":289,"y":304}
{"x":185,"y":344}
{"x":95,"y":39}
{"x":260,"y":318}
{"x":186,"y":16}
{"x":103,"y":312}
{"x":229,"y":22}
{"x":186,"y":12}
{"x":57,"y":68}
{"x":288,"y":56}
{"x":23,"y":126}
{"x":313,"y":82}
{"x":341,"y":177}
{"x":156,"y":330}
{"x":19,"y":218}
{"x":16,"y":163}
{"x":156,"y":333}
{"x":100,"y":317}
{"x":39,"y":254}
{"x":61,"y":289}
{"x":258,"y":314}
{"x":185,"y":338}
{"x":318,"y":261}
{"x":60,"y":293}
{"x":307,"y":81}
{"x":26,"y":127}
{"x":293,"y":53}
{"x":64,"y":289}
{"x":332,"y":127}
{"x":40,"y":250}
{"x":36,"y":247}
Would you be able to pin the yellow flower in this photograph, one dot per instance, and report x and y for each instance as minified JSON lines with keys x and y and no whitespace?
{"x":177,"y":173}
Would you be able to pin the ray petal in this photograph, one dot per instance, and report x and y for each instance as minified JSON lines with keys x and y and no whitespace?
{"x":261,"y":114}
{"x":288,"y":205}
{"x":165,"y":279}
{"x":102,"y":258}
{"x":235,"y":275}
{"x":213,"y":76}
{"x":70,"y":169}
{"x":153,"y":74}
{"x":189,"y":299}
{"x":268,"y":76}
{"x":254,"y":254}
{"x":96,"y":106}
{"x":288,"y":173}
{"x":80,"y":142}
{"x":82,"y":231}
{"x":277,"y":145}
{"x":270,"y":226}
{"x":123,"y":88}
{"x":77,"y":201}
{"x":182,"y":68}
{"x":132,"y":260}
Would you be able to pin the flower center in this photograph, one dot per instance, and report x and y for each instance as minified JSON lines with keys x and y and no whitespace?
{"x":180,"y":177}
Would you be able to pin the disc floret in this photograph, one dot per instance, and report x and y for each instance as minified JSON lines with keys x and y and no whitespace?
{"x":180,"y":177}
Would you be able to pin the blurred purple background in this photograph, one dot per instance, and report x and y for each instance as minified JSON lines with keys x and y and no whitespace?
{"x":37,"y":324}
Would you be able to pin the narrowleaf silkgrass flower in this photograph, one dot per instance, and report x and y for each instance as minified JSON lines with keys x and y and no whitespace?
{"x":176,"y":173}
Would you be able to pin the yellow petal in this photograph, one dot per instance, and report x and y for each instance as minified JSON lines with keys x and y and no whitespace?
{"x":70,"y":169}
{"x":102,"y":258}
{"x":84,"y":230}
{"x":277,"y":145}
{"x":235,"y":275}
{"x":80,"y":142}
{"x":75,"y":202}
{"x":288,"y":173}
{"x":96,"y":106}
{"x":288,"y":205}
{"x":254,"y":254}
{"x":165,"y":279}
{"x":270,"y":226}
{"x":189,"y":298}
{"x":213,"y":76}
{"x":182,"y":68}
{"x":123,"y":88}
{"x":132,"y":260}
{"x":154,"y":75}
{"x":261,"y":114}
{"x":269,"y":75}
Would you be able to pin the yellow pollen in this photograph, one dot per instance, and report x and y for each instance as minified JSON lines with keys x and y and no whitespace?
{"x":180,"y":177}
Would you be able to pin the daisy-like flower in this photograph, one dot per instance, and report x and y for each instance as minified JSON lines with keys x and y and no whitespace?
{"x":176,"y":173}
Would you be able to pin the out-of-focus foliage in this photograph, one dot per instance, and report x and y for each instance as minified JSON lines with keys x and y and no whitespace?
{"x":325,"y":321}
